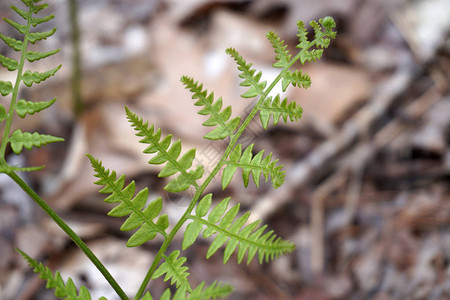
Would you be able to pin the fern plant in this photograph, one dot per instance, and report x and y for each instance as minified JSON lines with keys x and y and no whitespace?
{"x":222,"y":223}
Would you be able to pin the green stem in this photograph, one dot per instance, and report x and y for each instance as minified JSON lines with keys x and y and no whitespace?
{"x":75,"y":238}
{"x":200,"y":189}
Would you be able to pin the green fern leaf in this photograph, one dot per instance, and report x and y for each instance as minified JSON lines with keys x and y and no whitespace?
{"x":174,"y":270}
{"x":311,"y":55}
{"x":36,"y":21}
{"x":63,"y":290}
{"x":6,"y":88}
{"x":278,"y":110}
{"x":147,"y":296}
{"x":251,"y":79}
{"x":246,"y":238}
{"x":29,"y":140}
{"x":28,"y":107}
{"x":37,"y":8}
{"x":168,"y":153}
{"x":21,"y":28}
{"x":22,"y":13}
{"x":36,"y":77}
{"x":38,"y":36}
{"x":296,"y":78}
{"x":6,"y":169}
{"x":213,"y":291}
{"x":33,"y":56}
{"x":9,"y":63}
{"x":11,"y":42}
{"x":302,"y":35}
{"x":130,"y":204}
{"x":252,"y":164}
{"x":180,"y":294}
{"x":283,"y":57}
{"x":3,"y":113}
{"x":213,"y":108}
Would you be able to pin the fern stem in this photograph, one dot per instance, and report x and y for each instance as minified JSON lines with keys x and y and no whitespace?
{"x":12,"y":106}
{"x":66,"y":228}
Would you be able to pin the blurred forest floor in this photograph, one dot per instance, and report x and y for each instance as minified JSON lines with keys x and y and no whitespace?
{"x":367,"y":192}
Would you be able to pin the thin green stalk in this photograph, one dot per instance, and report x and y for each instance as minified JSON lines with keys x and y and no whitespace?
{"x":75,"y":238}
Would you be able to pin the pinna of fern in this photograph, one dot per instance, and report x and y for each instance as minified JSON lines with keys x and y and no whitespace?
{"x":19,"y":139}
{"x":167,"y":153}
{"x":233,"y":231}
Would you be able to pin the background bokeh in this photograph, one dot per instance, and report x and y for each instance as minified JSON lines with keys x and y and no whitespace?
{"x":367,"y":192}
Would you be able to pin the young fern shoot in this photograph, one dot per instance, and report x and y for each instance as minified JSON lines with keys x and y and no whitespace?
{"x":221,"y":222}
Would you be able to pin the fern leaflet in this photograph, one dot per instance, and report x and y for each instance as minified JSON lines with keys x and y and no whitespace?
{"x":248,"y":74}
{"x":252,"y":164}
{"x":6,"y":88}
{"x":278,"y":110}
{"x":28,"y":140}
{"x":167,"y":152}
{"x":62,"y":290}
{"x":131,"y":205}
{"x":246,"y":238}
{"x":213,"y":108}
{"x":174,"y":270}
{"x":9,"y":63}
{"x":11,"y":42}
{"x":283,"y":57}
{"x":28,"y":107}
{"x":213,"y":291}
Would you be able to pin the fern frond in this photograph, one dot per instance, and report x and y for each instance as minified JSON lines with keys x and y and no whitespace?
{"x":213,"y":108}
{"x":251,"y":79}
{"x":63,"y":290}
{"x":213,"y":291}
{"x":167,"y":152}
{"x":28,"y":107}
{"x":283,"y":57}
{"x":29,"y":140}
{"x":248,"y":239}
{"x":6,"y":88}
{"x":302,"y":35}
{"x":36,"y":77}
{"x":130,"y":204}
{"x":278,"y":110}
{"x":175,"y":270}
{"x":252,"y":164}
